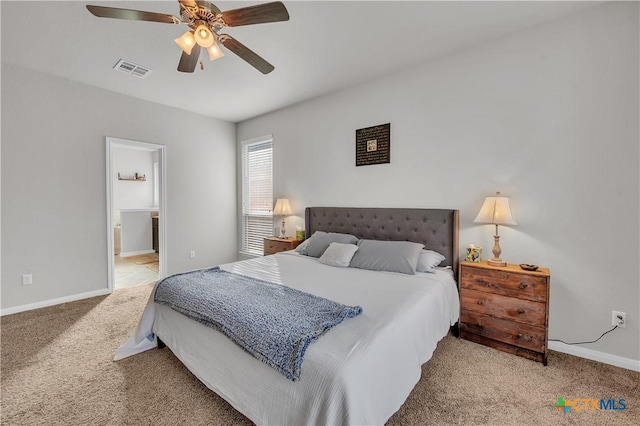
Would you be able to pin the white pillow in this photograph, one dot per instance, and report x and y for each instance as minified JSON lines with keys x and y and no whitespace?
{"x":338,"y":254}
{"x":428,"y":260}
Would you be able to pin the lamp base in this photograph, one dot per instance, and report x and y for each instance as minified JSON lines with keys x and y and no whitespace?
{"x":496,"y":261}
{"x":283,"y":232}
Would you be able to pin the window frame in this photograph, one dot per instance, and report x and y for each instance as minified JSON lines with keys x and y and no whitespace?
{"x":251,"y":242}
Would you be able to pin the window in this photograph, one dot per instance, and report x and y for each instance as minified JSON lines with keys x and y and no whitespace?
{"x":257,"y":194}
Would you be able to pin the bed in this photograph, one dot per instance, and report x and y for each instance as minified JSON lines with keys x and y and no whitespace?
{"x":361,"y":371}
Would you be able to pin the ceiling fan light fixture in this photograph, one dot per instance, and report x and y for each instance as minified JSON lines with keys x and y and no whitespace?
{"x":204,"y":36}
{"x":215,"y":52}
{"x":204,"y":21}
{"x":186,"y":42}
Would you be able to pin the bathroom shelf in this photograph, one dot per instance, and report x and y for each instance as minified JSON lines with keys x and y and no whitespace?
{"x":135,"y":177}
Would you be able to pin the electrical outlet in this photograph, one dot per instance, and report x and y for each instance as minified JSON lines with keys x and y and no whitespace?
{"x":619,"y":319}
{"x":192,"y":254}
{"x":27,"y":279}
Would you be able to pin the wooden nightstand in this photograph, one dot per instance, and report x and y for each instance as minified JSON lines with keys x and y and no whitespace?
{"x":506,"y":308}
{"x":275,"y":245}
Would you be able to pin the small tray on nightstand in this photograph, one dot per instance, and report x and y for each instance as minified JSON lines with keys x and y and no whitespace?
{"x":529,"y":267}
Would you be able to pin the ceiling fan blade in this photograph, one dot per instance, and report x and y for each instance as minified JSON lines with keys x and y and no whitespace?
{"x":258,"y":14}
{"x":135,"y":15}
{"x":188,"y":62}
{"x":247,"y":54}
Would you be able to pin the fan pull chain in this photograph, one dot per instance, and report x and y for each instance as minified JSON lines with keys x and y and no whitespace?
{"x":201,"y":65}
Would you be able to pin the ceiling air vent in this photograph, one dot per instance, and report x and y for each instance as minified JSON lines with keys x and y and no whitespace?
{"x":129,"y":67}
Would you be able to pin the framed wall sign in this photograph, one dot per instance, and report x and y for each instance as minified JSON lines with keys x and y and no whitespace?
{"x":373,"y":145}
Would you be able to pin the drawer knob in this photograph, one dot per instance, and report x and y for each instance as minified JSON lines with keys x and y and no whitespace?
{"x":522,"y":286}
{"x":479,"y":325}
{"x":519,"y":336}
{"x":480,"y":302}
{"x":521,"y":311}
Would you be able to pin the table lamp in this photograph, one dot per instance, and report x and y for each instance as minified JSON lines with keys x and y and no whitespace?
{"x":496,"y":211}
{"x":282,"y":208}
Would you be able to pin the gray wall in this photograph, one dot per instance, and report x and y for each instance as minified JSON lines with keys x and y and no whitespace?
{"x":129,"y":194}
{"x":53,"y":184}
{"x":136,"y":233}
{"x":549,"y":117}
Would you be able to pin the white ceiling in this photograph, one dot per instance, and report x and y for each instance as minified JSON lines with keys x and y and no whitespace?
{"x":324,"y":47}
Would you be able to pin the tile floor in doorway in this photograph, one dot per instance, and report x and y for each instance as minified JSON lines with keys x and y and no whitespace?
{"x":130,"y":274}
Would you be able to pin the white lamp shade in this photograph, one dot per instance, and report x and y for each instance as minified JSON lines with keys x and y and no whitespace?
{"x":215,"y":52}
{"x":186,"y":42}
{"x":496,"y":210}
{"x":204,"y":36}
{"x":283,"y":207}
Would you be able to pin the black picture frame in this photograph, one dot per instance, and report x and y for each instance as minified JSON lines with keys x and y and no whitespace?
{"x":373,"y":145}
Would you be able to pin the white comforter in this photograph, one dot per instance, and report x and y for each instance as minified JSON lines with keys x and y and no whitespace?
{"x":360,"y":372}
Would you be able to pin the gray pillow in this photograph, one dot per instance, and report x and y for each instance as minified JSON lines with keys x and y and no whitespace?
{"x":392,"y":256}
{"x":319,"y":241}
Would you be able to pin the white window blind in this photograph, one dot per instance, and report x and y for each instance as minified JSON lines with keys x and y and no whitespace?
{"x":257,"y":194}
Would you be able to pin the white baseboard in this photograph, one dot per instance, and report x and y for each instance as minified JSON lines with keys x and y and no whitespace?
{"x":52,"y":302}
{"x":136,"y":253}
{"x":617,"y":361}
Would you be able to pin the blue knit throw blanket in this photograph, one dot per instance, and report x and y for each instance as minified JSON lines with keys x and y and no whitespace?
{"x":272,"y":322}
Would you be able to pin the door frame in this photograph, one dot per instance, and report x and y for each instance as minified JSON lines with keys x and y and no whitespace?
{"x":112,"y":142}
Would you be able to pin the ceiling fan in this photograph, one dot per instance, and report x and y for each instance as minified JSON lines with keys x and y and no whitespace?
{"x":205,"y":21}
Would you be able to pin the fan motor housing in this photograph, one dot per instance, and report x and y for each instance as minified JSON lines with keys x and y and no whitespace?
{"x":205,"y":11}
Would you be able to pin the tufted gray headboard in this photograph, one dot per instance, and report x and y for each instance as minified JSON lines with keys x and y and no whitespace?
{"x":437,"y":229}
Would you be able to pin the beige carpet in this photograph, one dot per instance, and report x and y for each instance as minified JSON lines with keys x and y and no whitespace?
{"x":57,"y":370}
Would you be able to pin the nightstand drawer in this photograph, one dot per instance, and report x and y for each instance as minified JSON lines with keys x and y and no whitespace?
{"x":505,"y":283}
{"x":506,"y":331}
{"x":276,"y":245}
{"x":524,"y":311}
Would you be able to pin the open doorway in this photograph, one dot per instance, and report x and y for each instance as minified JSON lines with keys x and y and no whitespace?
{"x":135,"y":212}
